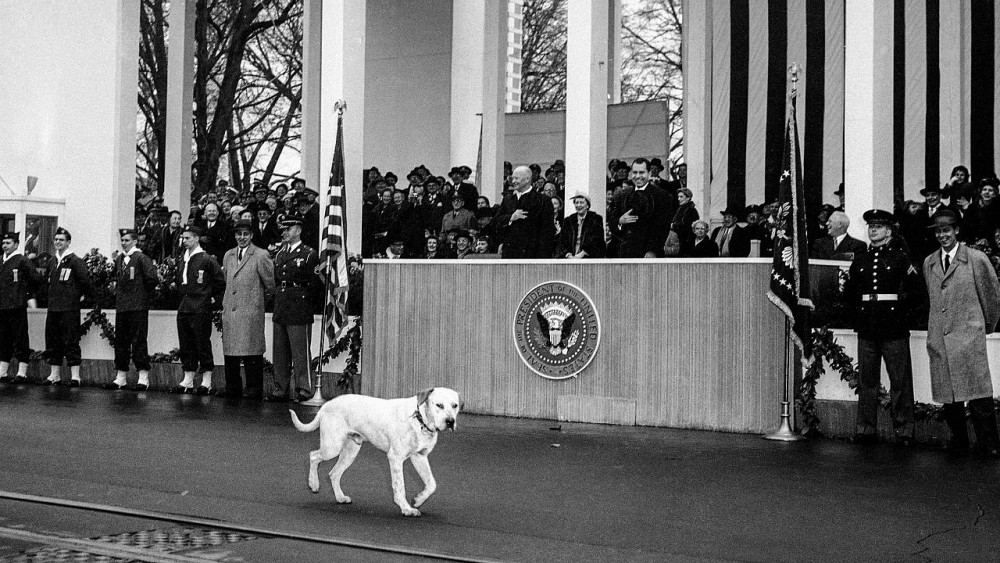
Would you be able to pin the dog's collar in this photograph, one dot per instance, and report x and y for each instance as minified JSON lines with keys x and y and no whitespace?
{"x":420,"y":419}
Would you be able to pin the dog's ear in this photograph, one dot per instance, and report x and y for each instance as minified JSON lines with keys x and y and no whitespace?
{"x":422,"y":396}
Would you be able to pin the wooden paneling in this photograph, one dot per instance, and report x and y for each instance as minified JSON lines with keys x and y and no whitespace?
{"x":694,"y":344}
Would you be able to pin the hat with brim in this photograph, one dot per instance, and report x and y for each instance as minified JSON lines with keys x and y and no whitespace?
{"x":16,"y":237}
{"x":455,"y":170}
{"x":291,"y":221}
{"x":126,"y":231}
{"x":731,"y":211}
{"x":309,"y":191}
{"x":878,"y":217}
{"x":944,"y":218}
{"x":583,"y":195}
{"x":931,"y":190}
{"x":243,"y":225}
{"x":194,"y":230}
{"x":463,"y":234}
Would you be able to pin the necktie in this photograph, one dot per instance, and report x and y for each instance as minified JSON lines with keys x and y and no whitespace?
{"x":241,"y":253}
{"x":947,"y":262}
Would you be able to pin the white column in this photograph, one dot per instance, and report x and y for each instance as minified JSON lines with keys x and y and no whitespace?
{"x":468,"y":26}
{"x":865,"y":145}
{"x":615,"y":52}
{"x":697,"y":58}
{"x":312,"y":60}
{"x":956,"y":91}
{"x":587,"y":101}
{"x":180,"y":84}
{"x":343,"y":78}
{"x":494,"y":87}
{"x":126,"y":108}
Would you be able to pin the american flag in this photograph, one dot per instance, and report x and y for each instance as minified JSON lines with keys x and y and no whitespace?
{"x":790,"y":270}
{"x":334,"y":253}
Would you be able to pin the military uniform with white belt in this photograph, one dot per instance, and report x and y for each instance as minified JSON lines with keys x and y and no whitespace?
{"x":882,"y":290}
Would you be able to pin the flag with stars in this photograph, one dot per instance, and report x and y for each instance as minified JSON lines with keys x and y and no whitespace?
{"x":334,"y":252}
{"x":789,"y":289}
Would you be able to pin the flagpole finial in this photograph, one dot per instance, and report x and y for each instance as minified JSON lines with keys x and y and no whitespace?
{"x":793,"y":75}
{"x":340,"y":106}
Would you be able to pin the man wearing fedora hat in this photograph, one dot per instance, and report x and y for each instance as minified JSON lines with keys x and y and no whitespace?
{"x":882,"y":289}
{"x":135,"y":279}
{"x":964,"y":308}
{"x":17,"y":275}
{"x":730,"y":237}
{"x":296,"y":283}
{"x":249,"y":281}
{"x":463,"y":188}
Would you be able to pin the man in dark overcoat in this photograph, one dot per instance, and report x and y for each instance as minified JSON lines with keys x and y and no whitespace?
{"x":964,"y":308}
{"x":882,"y":289}
{"x":69,"y":282}
{"x":296,"y":284}
{"x":642,"y":215}
{"x":135,"y":279}
{"x":17,"y":275}
{"x":201,"y":283}
{"x":525,"y":221}
{"x":249,"y":281}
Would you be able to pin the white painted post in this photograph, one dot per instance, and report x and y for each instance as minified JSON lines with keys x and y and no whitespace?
{"x":180,"y":93}
{"x":494,"y":104}
{"x":126,"y":108}
{"x":312,"y":69}
{"x":467,"y":62}
{"x":587,"y":101}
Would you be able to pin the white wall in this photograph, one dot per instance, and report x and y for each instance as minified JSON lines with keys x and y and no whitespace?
{"x":57,"y":122}
{"x":634,"y":130}
{"x":830,"y":386}
{"x":163,"y":338}
{"x":408,"y":86}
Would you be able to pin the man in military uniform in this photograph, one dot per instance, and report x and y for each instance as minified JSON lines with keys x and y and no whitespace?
{"x":296,"y":282}
{"x":201,"y":284}
{"x":69,"y":282}
{"x":16,"y":273}
{"x":135,"y":279}
{"x":883,"y":288}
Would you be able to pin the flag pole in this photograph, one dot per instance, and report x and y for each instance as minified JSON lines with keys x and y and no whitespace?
{"x":317,"y":399}
{"x":784,"y":432}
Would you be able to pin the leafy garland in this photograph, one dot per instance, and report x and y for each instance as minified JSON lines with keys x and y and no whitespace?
{"x":101,"y":270}
{"x":825,"y":346}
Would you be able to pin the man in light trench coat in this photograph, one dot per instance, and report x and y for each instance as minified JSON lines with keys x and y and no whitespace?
{"x":964,"y":308}
{"x":249,"y":280}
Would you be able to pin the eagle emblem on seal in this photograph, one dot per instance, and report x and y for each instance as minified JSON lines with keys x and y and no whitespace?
{"x":556,"y":328}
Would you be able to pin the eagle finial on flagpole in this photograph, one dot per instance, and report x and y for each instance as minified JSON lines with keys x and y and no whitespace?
{"x":340,"y":106}
{"x":793,"y":74}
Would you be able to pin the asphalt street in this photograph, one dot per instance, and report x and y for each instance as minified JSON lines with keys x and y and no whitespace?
{"x":508,"y":489}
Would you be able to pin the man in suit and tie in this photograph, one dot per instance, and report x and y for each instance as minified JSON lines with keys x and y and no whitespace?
{"x":838,"y":245}
{"x":216,"y":238}
{"x":296,"y":283}
{"x":265,"y":231}
{"x":69,"y":282}
{"x":732,"y":239}
{"x":525,"y":221}
{"x":642,"y":215}
{"x":249,"y":281}
{"x":17,"y":275}
{"x":135,"y":279}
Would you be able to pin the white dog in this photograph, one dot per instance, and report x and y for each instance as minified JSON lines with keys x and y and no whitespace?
{"x":403,"y":428}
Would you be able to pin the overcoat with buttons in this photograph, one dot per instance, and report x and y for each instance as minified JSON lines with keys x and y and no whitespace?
{"x":882,"y":270}
{"x":296,"y":284}
{"x":248,"y":283}
{"x":964,"y":308}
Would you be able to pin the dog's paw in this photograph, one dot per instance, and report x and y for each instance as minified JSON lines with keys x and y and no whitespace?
{"x":314,"y":485}
{"x":411,"y":512}
{"x":418,"y":500}
{"x":344,"y":500}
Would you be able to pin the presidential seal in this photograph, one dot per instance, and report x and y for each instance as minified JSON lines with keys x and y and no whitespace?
{"x":556,"y":330}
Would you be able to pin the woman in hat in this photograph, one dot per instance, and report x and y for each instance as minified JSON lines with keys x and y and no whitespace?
{"x":684,"y":219}
{"x":582,"y":233}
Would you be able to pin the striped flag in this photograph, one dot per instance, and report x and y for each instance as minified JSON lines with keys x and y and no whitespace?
{"x":335,"y":245}
{"x":790,"y":270}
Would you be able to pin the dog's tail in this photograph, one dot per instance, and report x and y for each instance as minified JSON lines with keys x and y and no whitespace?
{"x":304,"y":427}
